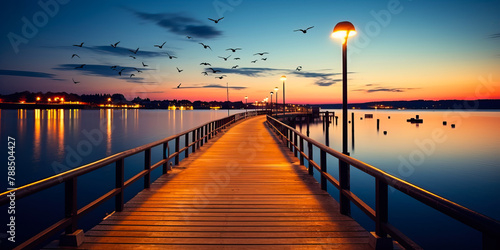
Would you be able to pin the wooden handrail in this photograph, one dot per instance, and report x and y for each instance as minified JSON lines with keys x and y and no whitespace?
{"x":489,"y":227}
{"x":72,"y":214}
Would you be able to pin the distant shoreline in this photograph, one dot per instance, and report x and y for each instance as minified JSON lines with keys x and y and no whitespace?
{"x":484,"y":104}
{"x":487,"y":104}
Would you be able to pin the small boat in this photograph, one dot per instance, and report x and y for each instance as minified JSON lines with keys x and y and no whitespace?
{"x":415,"y":120}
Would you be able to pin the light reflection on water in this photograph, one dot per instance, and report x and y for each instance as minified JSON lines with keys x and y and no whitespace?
{"x":56,"y":135}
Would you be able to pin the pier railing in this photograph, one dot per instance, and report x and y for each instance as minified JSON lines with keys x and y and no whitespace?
{"x":199,"y":136}
{"x":294,"y":140}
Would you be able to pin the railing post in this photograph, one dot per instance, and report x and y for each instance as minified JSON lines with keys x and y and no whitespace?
{"x":147,"y":166}
{"x":165,"y":156}
{"x":323,"y":169}
{"x":193,"y":139}
{"x":345,"y":184}
{"x":295,"y":143}
{"x":119,"y":184}
{"x":380,"y":239}
{"x":209,"y":132}
{"x":206,"y":134}
{"x":186,"y":152}
{"x":177,"y":148}
{"x":198,"y":131}
{"x":200,"y":141}
{"x":381,"y":207}
{"x":73,"y":237}
{"x":310,"y":156}
{"x":70,"y":204}
{"x":290,"y":138}
{"x":202,"y":129}
{"x":301,"y":151}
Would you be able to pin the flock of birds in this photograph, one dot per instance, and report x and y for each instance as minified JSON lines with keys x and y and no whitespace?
{"x":206,"y":72}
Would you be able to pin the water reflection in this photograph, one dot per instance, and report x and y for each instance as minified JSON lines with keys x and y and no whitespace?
{"x":37,"y":135}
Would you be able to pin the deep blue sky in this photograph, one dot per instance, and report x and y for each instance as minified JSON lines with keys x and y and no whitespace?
{"x":428,"y":49}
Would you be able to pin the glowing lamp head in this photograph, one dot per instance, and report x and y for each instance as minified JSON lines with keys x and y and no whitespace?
{"x":276,"y":89}
{"x":109,"y":99}
{"x":38,"y":98}
{"x":283,"y":78}
{"x":343,"y":30}
{"x":271,"y":93}
{"x":246,"y":97}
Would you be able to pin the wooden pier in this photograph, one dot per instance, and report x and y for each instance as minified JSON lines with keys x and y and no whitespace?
{"x":242,"y":190}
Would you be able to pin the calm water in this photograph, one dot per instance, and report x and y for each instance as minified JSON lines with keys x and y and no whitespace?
{"x":51,"y":141}
{"x":460,"y":164}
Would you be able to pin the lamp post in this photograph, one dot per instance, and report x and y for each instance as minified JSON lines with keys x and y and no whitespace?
{"x":283,"y":79}
{"x":246,"y":106}
{"x":344,"y":30}
{"x":271,"y":102}
{"x":277,"y":107}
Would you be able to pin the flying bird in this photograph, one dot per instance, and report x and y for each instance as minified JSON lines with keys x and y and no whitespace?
{"x":205,"y":46}
{"x":189,"y":37}
{"x":299,"y":68}
{"x":114,"y":67}
{"x":237,"y":58}
{"x":75,"y":82}
{"x":120,"y":72}
{"x":171,"y":57}
{"x":179,"y":70}
{"x":260,"y":54}
{"x":205,"y":73}
{"x":178,"y":86}
{"x":235,"y":66}
{"x":138,"y":71}
{"x":204,"y":63}
{"x":254,"y":61}
{"x":220,"y":77}
{"x":134,"y":51}
{"x":216,"y":21}
{"x":75,"y":55}
{"x":225,"y":58}
{"x":133,"y":57}
{"x":116,"y":44}
{"x":131,"y":75}
{"x":76,"y":45}
{"x":214,"y":71}
{"x":160,"y":46}
{"x":80,"y":67}
{"x":144,"y":65}
{"x":233,"y":50}
{"x":264,"y":59}
{"x":304,"y":31}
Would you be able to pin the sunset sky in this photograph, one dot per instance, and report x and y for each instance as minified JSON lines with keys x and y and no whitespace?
{"x":404,"y":50}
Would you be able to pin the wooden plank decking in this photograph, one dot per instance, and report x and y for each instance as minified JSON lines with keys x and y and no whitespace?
{"x":242,"y":190}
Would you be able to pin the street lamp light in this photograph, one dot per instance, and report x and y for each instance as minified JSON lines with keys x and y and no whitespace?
{"x":283,"y":79}
{"x":246,"y":105}
{"x":271,"y":102}
{"x":344,"y":30}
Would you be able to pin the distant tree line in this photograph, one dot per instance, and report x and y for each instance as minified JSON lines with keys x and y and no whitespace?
{"x":31,"y":97}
